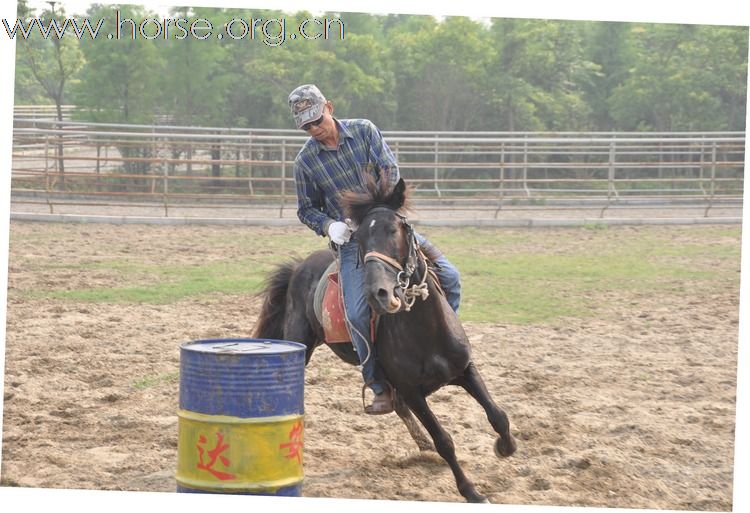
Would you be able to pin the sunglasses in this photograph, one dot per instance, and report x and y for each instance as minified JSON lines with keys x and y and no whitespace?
{"x":308,"y":126}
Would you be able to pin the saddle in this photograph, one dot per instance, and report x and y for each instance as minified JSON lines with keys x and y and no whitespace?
{"x":329,"y":307}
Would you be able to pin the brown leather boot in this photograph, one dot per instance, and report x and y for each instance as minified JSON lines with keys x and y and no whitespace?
{"x":381,"y":404}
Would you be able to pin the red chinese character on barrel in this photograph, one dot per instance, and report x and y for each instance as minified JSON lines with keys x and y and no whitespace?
{"x":213,"y":455}
{"x":295,"y":443}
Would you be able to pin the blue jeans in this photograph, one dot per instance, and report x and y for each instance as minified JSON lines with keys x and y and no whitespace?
{"x":358,"y":313}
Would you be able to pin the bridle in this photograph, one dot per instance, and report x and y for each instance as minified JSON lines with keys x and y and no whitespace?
{"x":404,"y":272}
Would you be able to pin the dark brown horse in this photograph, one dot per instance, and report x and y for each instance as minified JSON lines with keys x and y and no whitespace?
{"x":421,"y":345}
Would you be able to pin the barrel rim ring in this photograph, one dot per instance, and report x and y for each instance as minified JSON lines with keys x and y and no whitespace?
{"x":296,"y":345}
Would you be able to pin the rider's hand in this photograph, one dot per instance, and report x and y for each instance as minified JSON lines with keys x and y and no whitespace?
{"x":339,"y":232}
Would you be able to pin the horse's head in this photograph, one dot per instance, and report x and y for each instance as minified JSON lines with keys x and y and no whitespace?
{"x":386,"y":244}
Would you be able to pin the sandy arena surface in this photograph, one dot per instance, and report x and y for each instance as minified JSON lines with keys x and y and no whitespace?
{"x":632,"y":407}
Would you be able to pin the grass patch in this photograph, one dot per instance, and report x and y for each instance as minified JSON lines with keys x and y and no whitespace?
{"x":589,"y":225}
{"x":516,"y":276}
{"x":532,"y":288}
{"x":152,"y":381}
{"x":172,"y":283}
{"x":508,"y":275}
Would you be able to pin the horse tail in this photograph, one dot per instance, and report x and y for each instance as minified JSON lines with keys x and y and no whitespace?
{"x":271,"y":320}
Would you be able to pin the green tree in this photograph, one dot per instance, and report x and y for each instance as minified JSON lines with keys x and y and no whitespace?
{"x":539,"y":75}
{"x":53,"y":62}
{"x":27,"y":89}
{"x":609,"y":47}
{"x":196,"y":77}
{"x":352,"y":72}
{"x":120,"y":81}
{"x":404,"y":72}
{"x":441,"y":74}
{"x":684,"y":77}
{"x":361,"y":79}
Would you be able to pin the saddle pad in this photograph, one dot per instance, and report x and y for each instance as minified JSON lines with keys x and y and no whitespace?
{"x":320,"y":290}
{"x":329,"y":308}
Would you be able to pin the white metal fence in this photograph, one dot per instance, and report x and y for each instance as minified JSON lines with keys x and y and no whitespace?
{"x":74,"y":163}
{"x":42,"y":111}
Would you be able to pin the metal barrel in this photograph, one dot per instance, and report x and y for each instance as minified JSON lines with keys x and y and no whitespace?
{"x":241,"y":417}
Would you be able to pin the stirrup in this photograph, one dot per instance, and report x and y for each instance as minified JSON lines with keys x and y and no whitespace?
{"x":383,"y":407}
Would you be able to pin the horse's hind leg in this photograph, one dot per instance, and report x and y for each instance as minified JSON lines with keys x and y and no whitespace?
{"x":298,"y":329}
{"x":403,"y":411}
{"x":474,"y":385}
{"x":443,"y":443}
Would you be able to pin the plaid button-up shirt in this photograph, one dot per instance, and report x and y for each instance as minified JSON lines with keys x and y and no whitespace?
{"x":321,"y":173}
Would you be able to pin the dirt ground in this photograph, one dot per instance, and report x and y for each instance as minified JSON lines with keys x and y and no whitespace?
{"x":634,"y":408}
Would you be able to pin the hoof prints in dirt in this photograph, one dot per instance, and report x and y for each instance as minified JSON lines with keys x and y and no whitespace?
{"x":612,"y":409}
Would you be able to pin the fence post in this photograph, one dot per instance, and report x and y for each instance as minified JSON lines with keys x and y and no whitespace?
{"x":283,"y":177}
{"x":611,"y":171}
{"x":250,"y":164}
{"x":165,"y":174}
{"x":155,"y":151}
{"x":56,"y":159}
{"x":700,"y":170}
{"x":190,"y":158}
{"x":437,"y":160}
{"x":501,"y":187}
{"x":46,"y":173}
{"x":98,"y":165}
{"x":98,"y":156}
{"x":237,"y":158}
{"x":526,"y":165}
{"x":61,"y":155}
{"x":713,"y":179}
{"x":660,"y":168}
{"x":610,"y":177}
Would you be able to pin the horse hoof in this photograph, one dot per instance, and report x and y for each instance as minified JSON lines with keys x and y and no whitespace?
{"x":504,"y":448}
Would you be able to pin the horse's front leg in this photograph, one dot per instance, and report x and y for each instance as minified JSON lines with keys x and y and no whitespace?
{"x":472,"y":382}
{"x":416,"y":432}
{"x":443,"y":443}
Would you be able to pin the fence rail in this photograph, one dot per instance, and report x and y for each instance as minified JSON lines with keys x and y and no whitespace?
{"x":42,"y":111}
{"x":68,"y":163}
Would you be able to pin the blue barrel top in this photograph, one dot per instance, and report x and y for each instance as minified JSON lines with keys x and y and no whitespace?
{"x":242,"y":377}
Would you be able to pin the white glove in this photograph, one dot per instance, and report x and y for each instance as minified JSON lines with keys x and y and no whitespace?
{"x":339,"y":232}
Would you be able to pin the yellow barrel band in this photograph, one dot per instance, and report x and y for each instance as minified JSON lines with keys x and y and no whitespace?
{"x":233,"y":453}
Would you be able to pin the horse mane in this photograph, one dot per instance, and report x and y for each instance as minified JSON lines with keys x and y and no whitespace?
{"x":376,"y":192}
{"x":432,"y":253}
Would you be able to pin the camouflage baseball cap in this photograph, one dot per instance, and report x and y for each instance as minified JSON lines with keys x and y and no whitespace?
{"x":306,"y":103}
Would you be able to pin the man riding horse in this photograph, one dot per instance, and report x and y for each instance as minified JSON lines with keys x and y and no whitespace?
{"x":334,"y":159}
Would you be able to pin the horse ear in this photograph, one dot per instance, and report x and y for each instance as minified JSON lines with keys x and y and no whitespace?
{"x":398,"y":196}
